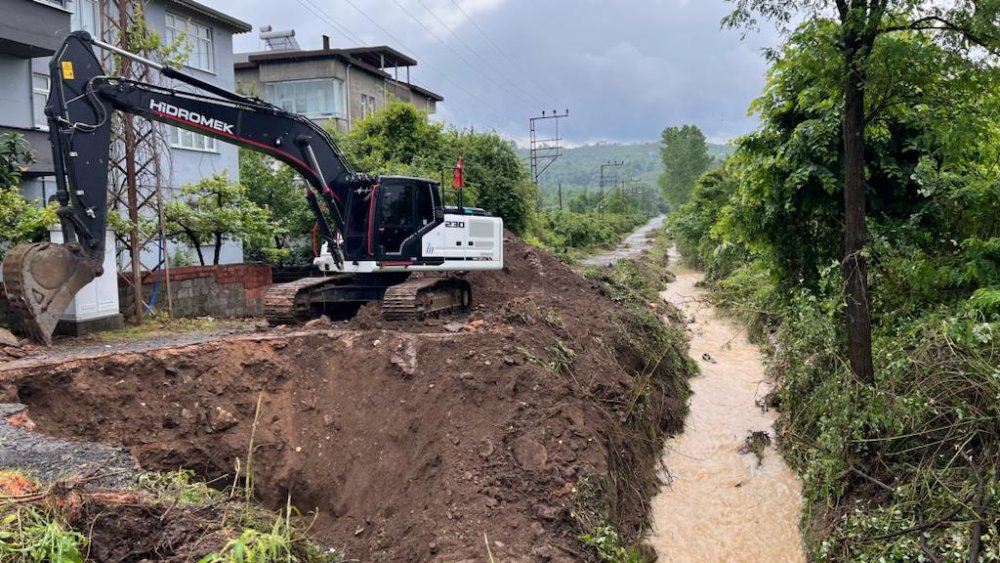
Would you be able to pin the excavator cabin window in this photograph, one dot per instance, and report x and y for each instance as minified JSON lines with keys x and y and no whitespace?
{"x":406,"y":209}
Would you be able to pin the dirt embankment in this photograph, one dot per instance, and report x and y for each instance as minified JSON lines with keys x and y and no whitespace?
{"x":541,"y":416}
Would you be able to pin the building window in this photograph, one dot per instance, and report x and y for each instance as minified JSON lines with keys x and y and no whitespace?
{"x":184,"y":139}
{"x":313,"y":98}
{"x":86,"y":16}
{"x":367,"y":105}
{"x":39,"y":95}
{"x":196,"y":36}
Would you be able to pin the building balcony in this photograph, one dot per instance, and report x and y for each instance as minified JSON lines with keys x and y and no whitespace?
{"x":33,"y":28}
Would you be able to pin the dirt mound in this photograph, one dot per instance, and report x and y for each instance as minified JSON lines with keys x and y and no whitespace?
{"x":527,"y":421}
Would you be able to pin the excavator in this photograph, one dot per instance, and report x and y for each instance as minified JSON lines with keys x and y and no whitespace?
{"x":376,"y":230}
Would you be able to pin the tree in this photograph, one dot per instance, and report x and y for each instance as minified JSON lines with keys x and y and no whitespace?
{"x":685,"y":157}
{"x":396,"y":139}
{"x":959,"y":24}
{"x":278,"y":188}
{"x":214,"y":210}
{"x":20,"y":220}
{"x":500,"y":181}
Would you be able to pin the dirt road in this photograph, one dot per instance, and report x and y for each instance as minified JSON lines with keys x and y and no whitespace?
{"x":722,"y":505}
{"x":630,"y":248}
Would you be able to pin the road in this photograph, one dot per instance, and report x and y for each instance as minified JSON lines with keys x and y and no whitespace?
{"x":631,"y":247}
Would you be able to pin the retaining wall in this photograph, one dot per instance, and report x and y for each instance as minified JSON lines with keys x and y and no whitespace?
{"x":226,"y":292}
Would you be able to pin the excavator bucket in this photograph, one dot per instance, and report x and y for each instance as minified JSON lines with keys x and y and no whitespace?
{"x":40,"y":280}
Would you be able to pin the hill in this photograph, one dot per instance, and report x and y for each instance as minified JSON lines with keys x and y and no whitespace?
{"x":580,"y":167}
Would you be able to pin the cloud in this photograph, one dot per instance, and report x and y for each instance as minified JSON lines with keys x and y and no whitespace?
{"x":624,"y":68}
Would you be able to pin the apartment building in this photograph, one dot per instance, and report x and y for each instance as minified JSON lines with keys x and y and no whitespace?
{"x":331,"y":86}
{"x":31,"y":31}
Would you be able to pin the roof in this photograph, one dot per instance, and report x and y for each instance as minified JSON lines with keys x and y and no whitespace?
{"x":358,"y":56}
{"x":425,"y":92}
{"x":381,"y":56}
{"x":237,"y":26}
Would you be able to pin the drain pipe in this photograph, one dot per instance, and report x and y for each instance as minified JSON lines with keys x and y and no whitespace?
{"x":347,"y":99}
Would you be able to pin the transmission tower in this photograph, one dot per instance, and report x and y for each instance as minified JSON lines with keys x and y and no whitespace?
{"x":136,"y":171}
{"x":544,"y":151}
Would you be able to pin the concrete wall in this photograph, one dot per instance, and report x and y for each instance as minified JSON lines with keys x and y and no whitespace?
{"x":234,"y":291}
{"x":15,"y":92}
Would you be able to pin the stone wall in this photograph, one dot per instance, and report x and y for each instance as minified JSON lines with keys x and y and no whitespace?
{"x":225,"y":292}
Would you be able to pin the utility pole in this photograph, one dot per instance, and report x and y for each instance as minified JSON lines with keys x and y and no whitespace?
{"x":544,"y":151}
{"x":609,"y":164}
{"x":560,"y":196}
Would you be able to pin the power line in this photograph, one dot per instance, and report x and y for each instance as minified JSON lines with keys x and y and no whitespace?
{"x":317,"y":11}
{"x":458,"y":55}
{"x":403,"y":45}
{"x":502,"y":52}
{"x":485,"y":61}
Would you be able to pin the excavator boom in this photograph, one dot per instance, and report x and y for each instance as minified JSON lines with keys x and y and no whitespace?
{"x":368,"y":226}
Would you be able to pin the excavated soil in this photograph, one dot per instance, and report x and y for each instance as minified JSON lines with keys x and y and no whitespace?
{"x":407,"y":441}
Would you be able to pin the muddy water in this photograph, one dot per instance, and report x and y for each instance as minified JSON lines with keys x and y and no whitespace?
{"x":720,"y":506}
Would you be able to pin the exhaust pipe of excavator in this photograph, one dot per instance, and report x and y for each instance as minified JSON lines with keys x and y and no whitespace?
{"x":41,"y":280}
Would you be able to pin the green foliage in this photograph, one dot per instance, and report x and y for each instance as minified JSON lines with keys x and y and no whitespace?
{"x":692,"y":225}
{"x":27,"y":534}
{"x":399,"y":139}
{"x":606,"y":545}
{"x":899,"y":470}
{"x":279,"y":189}
{"x":20,"y":220}
{"x":564,"y":230}
{"x":685,"y":157}
{"x":179,"y":486}
{"x":499,"y":179}
{"x":217,"y":209}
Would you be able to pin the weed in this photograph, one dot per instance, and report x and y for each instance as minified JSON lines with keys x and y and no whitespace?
{"x":560,"y":360}
{"x":606,"y":544}
{"x":27,"y":534}
{"x":178,"y":485}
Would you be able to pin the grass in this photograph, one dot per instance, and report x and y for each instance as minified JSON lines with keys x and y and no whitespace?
{"x":154,"y":327}
{"x":29,"y":534}
{"x":43,"y":523}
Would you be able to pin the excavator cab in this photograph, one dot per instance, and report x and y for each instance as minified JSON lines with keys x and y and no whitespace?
{"x":387,"y":221}
{"x":406,"y":212}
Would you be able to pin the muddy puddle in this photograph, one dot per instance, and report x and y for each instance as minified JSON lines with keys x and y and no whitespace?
{"x":720,"y":504}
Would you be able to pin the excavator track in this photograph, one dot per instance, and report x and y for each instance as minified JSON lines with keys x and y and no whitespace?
{"x":290,"y":303}
{"x":417,"y":298}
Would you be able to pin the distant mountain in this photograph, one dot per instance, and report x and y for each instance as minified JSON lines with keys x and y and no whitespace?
{"x":580,"y":167}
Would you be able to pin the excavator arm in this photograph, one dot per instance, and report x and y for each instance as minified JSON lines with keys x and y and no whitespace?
{"x":41,"y":279}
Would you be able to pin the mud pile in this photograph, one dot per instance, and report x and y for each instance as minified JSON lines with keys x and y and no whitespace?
{"x":526,"y":421}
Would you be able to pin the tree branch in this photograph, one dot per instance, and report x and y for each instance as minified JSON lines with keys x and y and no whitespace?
{"x":938,"y":23}
{"x":842,"y":9}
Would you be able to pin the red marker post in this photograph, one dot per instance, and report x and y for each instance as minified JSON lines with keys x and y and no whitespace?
{"x":459,"y":183}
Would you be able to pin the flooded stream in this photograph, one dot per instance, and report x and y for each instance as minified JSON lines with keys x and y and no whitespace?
{"x":720,"y":505}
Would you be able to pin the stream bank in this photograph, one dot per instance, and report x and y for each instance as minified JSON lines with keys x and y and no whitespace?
{"x":722,"y":504}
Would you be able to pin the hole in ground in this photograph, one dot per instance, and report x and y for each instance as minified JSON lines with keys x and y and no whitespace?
{"x":389,"y":464}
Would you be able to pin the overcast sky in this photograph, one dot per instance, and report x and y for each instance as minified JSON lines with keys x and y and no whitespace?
{"x":625,"y":69}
